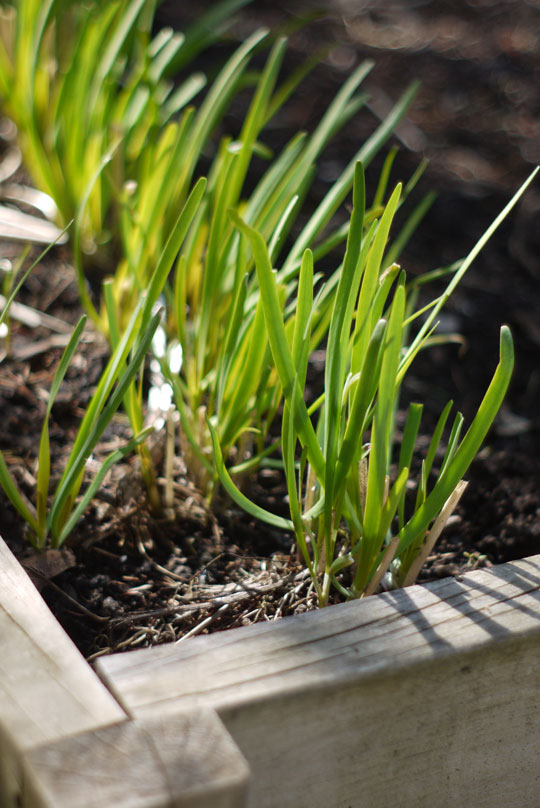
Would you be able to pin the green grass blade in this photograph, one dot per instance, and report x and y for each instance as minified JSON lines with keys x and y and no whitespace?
{"x":339,"y":190}
{"x":362,"y":400}
{"x":279,"y":343}
{"x":437,"y":435}
{"x":303,"y":316}
{"x":458,"y":275}
{"x":395,"y":496}
{"x":383,"y":420}
{"x":217,"y":97}
{"x":99,"y":415}
{"x":469,"y":446}
{"x":269,"y":187}
{"x":183,"y":95}
{"x":90,"y":492}
{"x":408,"y":441}
{"x":105,"y":384}
{"x":42,"y":481}
{"x":26,"y":273}
{"x":283,"y":226}
{"x":44,"y":460}
{"x":164,"y":56}
{"x":255,"y":120}
{"x":112,"y":49}
{"x":14,"y":496}
{"x":380,"y":193}
{"x":65,"y":361}
{"x":231,"y":338}
{"x":171,"y":249}
{"x":452,"y":442}
{"x":185,"y":421}
{"x":86,"y":300}
{"x":427,"y":463}
{"x":246,"y":378}
{"x":237,"y":496}
{"x":204,"y":30}
{"x":340,"y":326}
{"x":370,"y":281}
{"x":330,"y":120}
{"x":410,"y":226}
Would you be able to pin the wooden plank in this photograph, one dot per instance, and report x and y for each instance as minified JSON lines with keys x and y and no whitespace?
{"x":47,"y":689}
{"x":427,"y":696}
{"x":182,"y":760}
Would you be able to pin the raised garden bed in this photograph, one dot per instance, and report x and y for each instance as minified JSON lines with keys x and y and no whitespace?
{"x":427,"y":696}
{"x":114,"y":582}
{"x":66,"y":742}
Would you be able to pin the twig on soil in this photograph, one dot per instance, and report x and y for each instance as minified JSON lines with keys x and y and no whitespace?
{"x":32,"y":571}
{"x":192,"y":496}
{"x":31,"y":349}
{"x":32,"y":318}
{"x":204,"y":623}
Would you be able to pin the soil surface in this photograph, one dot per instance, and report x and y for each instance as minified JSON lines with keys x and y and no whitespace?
{"x":126,"y":579}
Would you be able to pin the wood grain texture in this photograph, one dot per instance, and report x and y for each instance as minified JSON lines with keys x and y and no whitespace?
{"x":423,"y":697}
{"x":182,"y":760}
{"x":47,"y":689}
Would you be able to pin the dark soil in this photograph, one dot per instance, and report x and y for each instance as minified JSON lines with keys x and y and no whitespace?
{"x":128,"y":580}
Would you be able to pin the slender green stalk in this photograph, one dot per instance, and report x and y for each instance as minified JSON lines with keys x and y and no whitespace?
{"x":54,"y":517}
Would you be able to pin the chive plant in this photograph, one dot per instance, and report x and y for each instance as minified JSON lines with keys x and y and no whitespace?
{"x":105,"y":132}
{"x":52,"y":56}
{"x":53,"y":517}
{"x":347,"y":483}
{"x":133,"y":399}
{"x":216,"y":319}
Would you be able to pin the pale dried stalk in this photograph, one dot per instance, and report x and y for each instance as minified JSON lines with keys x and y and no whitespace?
{"x":434,"y":533}
{"x":382,"y":569}
{"x":362,"y":482}
{"x":309,"y":501}
{"x":169,"y":462}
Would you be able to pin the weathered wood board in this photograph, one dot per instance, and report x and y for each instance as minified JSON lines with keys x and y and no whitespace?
{"x":422,"y":697}
{"x":177,"y":760}
{"x":65,"y":742}
{"x":47,"y":689}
